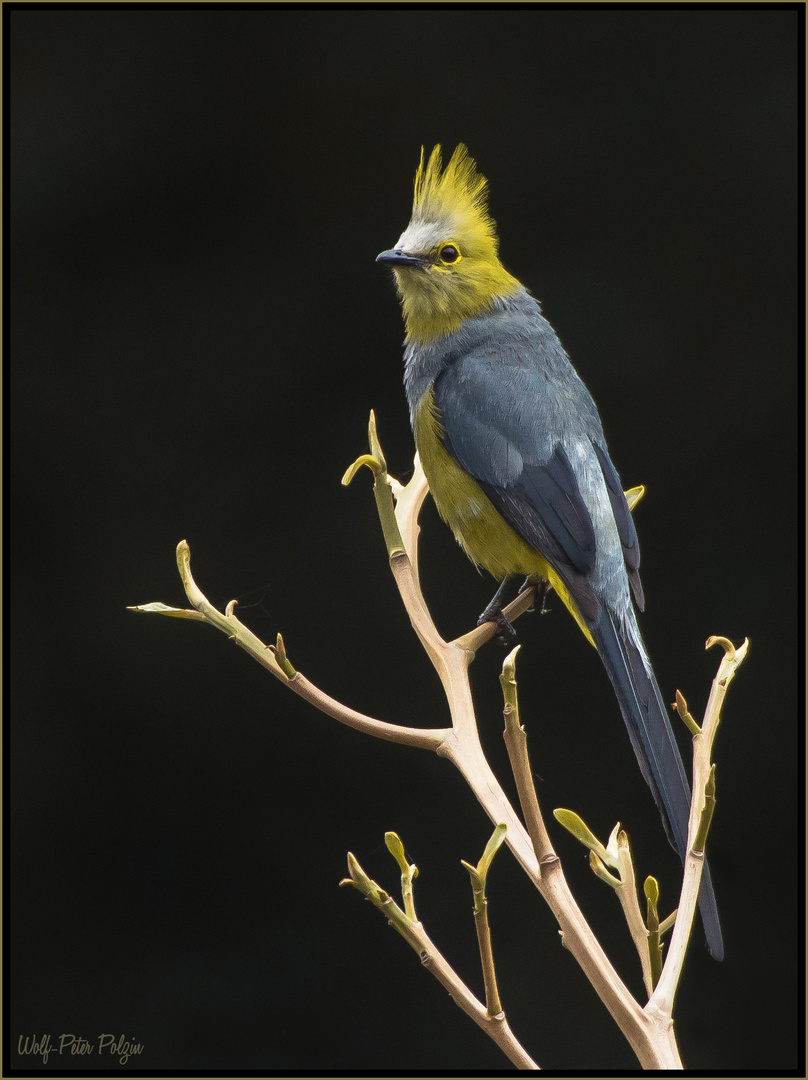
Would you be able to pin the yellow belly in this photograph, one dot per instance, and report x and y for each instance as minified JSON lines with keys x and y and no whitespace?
{"x":479,"y":528}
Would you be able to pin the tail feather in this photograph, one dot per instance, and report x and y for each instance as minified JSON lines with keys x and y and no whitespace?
{"x":620,"y":648}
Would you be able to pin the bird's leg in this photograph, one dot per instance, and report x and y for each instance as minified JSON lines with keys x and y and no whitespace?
{"x":493,"y":613}
{"x":543,"y":588}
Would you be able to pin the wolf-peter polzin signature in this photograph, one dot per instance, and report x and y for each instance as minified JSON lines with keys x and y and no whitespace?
{"x":42,"y":1046}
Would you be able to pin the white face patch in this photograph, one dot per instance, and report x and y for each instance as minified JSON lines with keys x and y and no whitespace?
{"x":420,"y":237}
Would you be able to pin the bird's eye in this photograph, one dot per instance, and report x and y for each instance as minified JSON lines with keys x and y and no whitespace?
{"x":449,"y":253}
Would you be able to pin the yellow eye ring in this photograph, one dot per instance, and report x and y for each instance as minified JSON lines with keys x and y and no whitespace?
{"x":449,"y":254}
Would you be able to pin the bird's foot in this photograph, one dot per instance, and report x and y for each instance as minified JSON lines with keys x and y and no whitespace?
{"x":493,"y":612}
{"x":506,"y":634}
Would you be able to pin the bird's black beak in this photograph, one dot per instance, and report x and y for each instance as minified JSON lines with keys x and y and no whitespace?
{"x":396,"y":257}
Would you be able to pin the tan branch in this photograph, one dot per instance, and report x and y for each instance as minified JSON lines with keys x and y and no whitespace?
{"x":649,"y":1031}
{"x":430,"y":739}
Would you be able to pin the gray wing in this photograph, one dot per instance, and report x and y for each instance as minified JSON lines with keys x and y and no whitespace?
{"x":506,"y":425}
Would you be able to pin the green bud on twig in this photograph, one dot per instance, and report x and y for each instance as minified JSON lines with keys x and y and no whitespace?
{"x":681,"y":707}
{"x":654,"y":944}
{"x":409,"y":872}
{"x":373,"y":439}
{"x":581,"y":831}
{"x":652,"y":896}
{"x":283,"y":659}
{"x":479,"y":873}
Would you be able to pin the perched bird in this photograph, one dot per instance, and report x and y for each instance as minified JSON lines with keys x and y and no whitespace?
{"x":513,"y":449}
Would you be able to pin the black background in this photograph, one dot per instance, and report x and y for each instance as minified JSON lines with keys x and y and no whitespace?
{"x":198,"y":334}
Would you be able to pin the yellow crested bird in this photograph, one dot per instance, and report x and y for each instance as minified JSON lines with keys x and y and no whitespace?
{"x":512,"y":446}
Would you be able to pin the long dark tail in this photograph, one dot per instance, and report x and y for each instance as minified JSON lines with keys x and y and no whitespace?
{"x":657,"y":753}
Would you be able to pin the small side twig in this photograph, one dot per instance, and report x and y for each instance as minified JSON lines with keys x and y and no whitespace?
{"x":661,"y":1002}
{"x":275,"y":660}
{"x":413,"y":932}
{"x":627,"y":895}
{"x":516,"y":745}
{"x":615,"y":855}
{"x":479,"y":876}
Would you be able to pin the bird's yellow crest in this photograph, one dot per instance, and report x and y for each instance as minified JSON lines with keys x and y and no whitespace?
{"x":456,"y":197}
{"x":446,"y":264}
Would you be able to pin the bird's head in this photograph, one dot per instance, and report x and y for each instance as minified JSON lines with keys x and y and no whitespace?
{"x":445,"y":262}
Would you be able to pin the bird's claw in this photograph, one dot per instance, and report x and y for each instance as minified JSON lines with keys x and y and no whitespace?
{"x":506,"y":634}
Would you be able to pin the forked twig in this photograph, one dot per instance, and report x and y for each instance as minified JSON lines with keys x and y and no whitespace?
{"x":413,"y":932}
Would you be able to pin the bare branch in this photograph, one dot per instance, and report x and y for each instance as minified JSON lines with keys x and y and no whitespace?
{"x":430,"y":739}
{"x":650,"y":1031}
